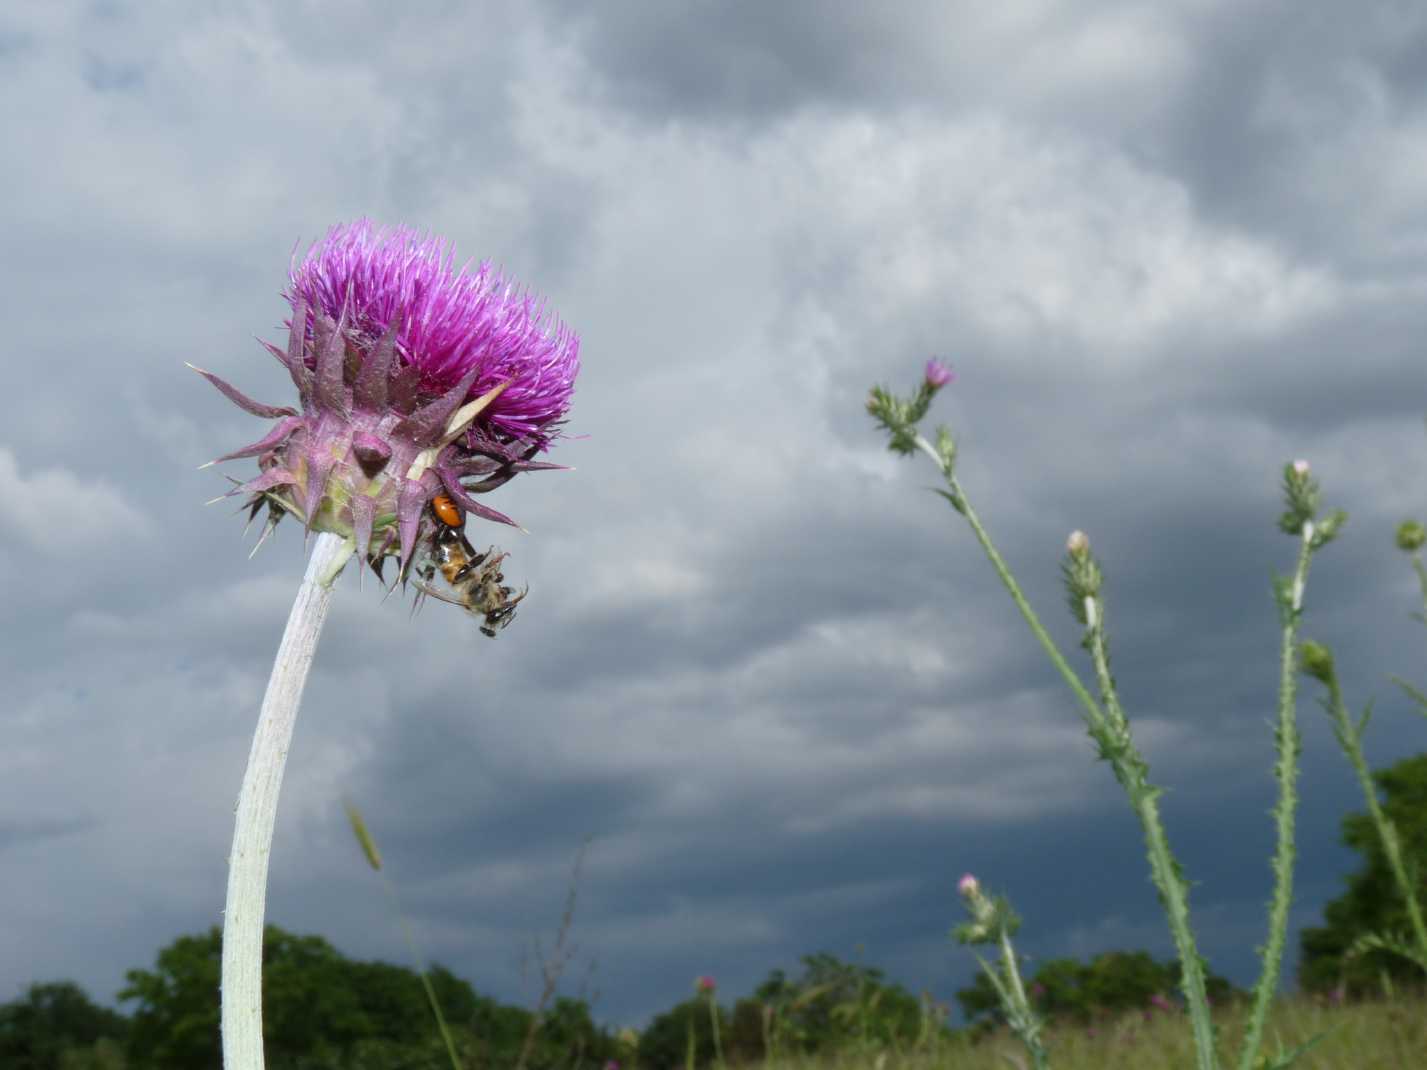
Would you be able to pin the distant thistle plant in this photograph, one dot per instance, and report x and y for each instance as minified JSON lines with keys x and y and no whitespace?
{"x":994,"y":922}
{"x":1109,"y":726}
{"x":420,"y":386}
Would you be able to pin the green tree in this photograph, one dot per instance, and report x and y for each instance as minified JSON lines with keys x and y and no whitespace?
{"x":1371,"y":903}
{"x":664,"y":1045}
{"x":56,"y":1023}
{"x":319,"y":1007}
{"x":836,"y":1004}
{"x":175,"y":1022}
{"x":1111,"y":983}
{"x":746,"y":1031}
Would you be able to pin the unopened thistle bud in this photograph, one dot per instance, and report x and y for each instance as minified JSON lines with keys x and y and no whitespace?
{"x":990,"y":915}
{"x":1081,"y":575}
{"x":421,"y":386}
{"x":1410,"y":536}
{"x":1300,"y":493}
{"x":1316,"y":660}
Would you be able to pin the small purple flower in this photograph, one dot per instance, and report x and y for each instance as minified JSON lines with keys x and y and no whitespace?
{"x":1037,"y":990}
{"x":938,"y":374}
{"x":1161,"y":1002}
{"x":968,"y":886}
{"x":417,"y":381}
{"x":705,"y":984}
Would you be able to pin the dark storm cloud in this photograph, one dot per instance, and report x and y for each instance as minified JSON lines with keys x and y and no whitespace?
{"x":761,"y":668}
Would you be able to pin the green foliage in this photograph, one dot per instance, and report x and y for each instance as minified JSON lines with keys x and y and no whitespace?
{"x":836,"y":1005}
{"x":1371,"y":903}
{"x":57,"y":1023}
{"x":323,"y":1011}
{"x":1066,"y":990}
{"x":664,"y":1045}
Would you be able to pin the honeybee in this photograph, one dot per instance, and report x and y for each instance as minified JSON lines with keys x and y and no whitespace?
{"x":474,"y":578}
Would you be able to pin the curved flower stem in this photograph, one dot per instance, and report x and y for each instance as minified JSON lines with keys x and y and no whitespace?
{"x":242,"y":984}
{"x":1286,"y":772}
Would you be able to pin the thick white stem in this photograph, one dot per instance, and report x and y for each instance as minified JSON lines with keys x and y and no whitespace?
{"x":242,"y":983}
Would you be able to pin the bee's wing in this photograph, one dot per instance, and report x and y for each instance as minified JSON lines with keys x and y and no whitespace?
{"x":434,"y":593}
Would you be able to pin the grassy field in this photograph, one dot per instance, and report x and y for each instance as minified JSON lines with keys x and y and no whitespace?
{"x":1380,"y":1035}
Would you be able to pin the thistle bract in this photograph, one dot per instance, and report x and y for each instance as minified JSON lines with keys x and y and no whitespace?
{"x":416,"y":379}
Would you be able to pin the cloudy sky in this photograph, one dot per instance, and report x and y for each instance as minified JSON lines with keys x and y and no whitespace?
{"x":765,"y":673}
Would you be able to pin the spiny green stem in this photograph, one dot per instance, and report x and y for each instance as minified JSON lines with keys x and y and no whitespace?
{"x":1352,"y":744}
{"x":1421,"y":578}
{"x":1093,"y":716}
{"x":1132,"y":773}
{"x":1286,"y":772}
{"x":1030,"y":1029}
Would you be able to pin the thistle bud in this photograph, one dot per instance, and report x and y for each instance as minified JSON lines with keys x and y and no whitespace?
{"x":1300,"y":492}
{"x":1410,"y":536}
{"x":968,"y":887}
{"x":1315,"y":660}
{"x":1081,"y":575}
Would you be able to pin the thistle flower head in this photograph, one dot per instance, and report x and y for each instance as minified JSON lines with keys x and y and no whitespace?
{"x":705,"y":984}
{"x":420,"y":384}
{"x":938,"y":374}
{"x":968,"y":886}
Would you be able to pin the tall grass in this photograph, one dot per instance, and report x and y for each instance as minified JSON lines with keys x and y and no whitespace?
{"x":1387,"y":1034}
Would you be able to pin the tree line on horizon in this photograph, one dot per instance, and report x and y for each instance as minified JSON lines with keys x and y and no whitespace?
{"x":323,"y":1011}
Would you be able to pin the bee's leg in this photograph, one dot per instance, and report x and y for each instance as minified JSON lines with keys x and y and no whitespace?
{"x":471,"y":554}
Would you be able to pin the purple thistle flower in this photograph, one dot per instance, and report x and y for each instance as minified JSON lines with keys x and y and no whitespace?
{"x":705,"y":983}
{"x":451,"y":322}
{"x":938,"y":374}
{"x":416,"y":380}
